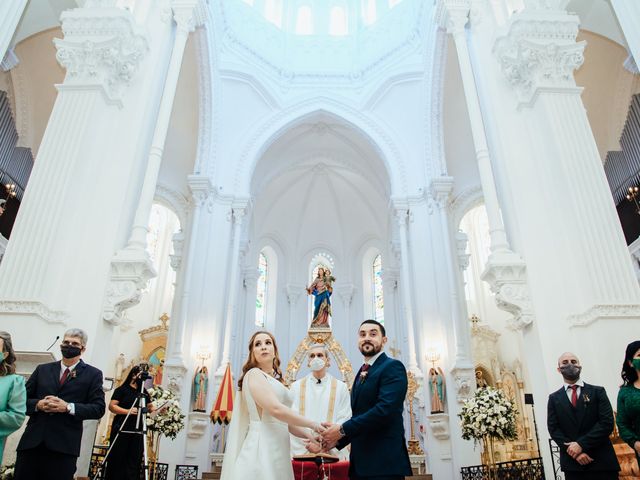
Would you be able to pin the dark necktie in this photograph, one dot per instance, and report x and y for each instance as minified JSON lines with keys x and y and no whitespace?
{"x":64,"y":376}
{"x":574,"y":394}
{"x":363,"y":372}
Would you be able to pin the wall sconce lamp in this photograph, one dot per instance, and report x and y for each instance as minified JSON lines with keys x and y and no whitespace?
{"x":203,"y":354}
{"x":432,"y":355}
{"x":107,"y":384}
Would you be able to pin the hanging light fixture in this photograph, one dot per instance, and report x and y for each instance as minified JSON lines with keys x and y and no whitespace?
{"x":632,"y":196}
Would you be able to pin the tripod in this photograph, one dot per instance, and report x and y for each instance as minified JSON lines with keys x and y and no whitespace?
{"x":141,"y":401}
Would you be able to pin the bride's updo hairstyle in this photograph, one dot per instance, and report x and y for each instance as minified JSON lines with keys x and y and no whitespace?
{"x":253,"y":363}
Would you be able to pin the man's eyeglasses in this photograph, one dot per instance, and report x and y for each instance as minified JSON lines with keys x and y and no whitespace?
{"x":71,"y":344}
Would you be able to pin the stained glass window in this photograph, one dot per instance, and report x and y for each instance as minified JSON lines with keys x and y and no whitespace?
{"x":378,"y":297}
{"x":338,"y":23}
{"x":304,"y":24}
{"x":261,"y":297}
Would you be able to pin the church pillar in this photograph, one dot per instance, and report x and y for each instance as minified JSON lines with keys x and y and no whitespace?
{"x":131,"y":267}
{"x":238,"y":211}
{"x":402,"y":216}
{"x":628,"y":14}
{"x":247,"y":322}
{"x":10,"y":13}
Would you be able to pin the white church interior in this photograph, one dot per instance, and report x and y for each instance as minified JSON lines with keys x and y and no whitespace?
{"x":176,"y":171}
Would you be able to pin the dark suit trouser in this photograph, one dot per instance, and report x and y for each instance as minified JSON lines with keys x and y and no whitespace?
{"x":42,"y":463}
{"x":590,"y":475}
{"x":355,"y":477}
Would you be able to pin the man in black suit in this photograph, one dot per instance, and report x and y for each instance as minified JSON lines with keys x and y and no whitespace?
{"x":580,"y":420}
{"x":375,"y":431}
{"x":60,"y":395}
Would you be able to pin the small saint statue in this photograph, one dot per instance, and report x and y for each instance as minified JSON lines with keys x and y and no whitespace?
{"x":200,"y":386}
{"x":436,"y":389}
{"x":321,"y":288}
{"x":480,"y":380}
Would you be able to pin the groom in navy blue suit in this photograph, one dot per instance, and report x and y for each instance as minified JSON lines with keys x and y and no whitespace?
{"x":376,"y":430}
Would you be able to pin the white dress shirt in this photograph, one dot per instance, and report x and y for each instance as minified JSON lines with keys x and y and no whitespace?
{"x":569,"y":390}
{"x":63,"y":367}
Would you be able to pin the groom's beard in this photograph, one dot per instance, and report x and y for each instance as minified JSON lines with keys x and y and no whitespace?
{"x":369,"y":349}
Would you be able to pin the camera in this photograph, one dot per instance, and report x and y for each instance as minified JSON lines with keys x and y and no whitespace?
{"x":144,"y":372}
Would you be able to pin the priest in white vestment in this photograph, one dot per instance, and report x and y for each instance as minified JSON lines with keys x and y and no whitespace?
{"x":320,"y":397}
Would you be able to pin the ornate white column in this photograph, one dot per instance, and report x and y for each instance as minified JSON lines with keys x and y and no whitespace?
{"x":10,"y":13}
{"x":402,"y":217}
{"x":237,"y":215}
{"x":505,"y":270}
{"x":101,"y":51}
{"x":131,"y":267}
{"x":628,"y":14}
{"x":250,"y":276}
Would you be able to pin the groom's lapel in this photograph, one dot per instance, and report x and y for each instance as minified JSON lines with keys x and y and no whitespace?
{"x":357,"y":386}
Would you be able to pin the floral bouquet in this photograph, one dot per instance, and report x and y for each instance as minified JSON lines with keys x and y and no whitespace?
{"x":170,"y":420}
{"x":488,"y":414}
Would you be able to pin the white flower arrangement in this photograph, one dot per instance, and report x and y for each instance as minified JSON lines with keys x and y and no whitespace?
{"x":6,"y":472}
{"x":170,"y":420}
{"x":489,"y":413}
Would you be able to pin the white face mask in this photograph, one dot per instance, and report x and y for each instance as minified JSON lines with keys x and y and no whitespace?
{"x":316,"y":364}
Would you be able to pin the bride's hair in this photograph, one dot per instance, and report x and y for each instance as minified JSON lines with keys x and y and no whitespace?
{"x":252,"y":363}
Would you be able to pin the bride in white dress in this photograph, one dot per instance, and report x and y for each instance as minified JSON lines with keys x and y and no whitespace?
{"x":258,"y":443}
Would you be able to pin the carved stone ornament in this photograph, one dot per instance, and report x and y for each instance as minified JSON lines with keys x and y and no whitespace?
{"x":293,"y":293}
{"x":540,"y":53}
{"x":462,"y":240}
{"x":102,"y":48}
{"x":37,"y":309}
{"x":439,"y":423}
{"x":604,"y":311}
{"x":506,"y":275}
{"x":346,"y":292}
{"x":197,"y":425}
{"x":465,"y":382}
{"x":174,"y":376}
{"x":178,"y":247}
{"x":131,"y":270}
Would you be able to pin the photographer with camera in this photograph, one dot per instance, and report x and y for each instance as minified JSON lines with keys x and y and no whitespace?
{"x":125,"y":457}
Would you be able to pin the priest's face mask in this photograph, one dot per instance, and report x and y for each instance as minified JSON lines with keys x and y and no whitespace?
{"x":318,"y":359}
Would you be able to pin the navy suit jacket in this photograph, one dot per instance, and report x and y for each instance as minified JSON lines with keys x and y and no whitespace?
{"x":376,"y":429}
{"x":589,"y":423}
{"x":62,"y":432}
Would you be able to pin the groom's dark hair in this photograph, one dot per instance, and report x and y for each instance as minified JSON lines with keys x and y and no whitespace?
{"x":374,"y":322}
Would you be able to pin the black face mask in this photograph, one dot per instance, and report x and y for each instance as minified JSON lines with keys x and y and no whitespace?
{"x":69,"y":351}
{"x":571,"y":372}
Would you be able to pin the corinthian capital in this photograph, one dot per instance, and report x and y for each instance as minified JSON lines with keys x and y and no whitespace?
{"x":100,"y":50}
{"x":540,"y":53}
{"x":453,"y":15}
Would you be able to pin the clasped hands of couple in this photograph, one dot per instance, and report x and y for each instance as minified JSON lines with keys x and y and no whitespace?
{"x":574,"y":450}
{"x":325,"y":437}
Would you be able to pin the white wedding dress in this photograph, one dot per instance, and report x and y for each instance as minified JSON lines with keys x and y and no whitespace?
{"x":258,"y":447}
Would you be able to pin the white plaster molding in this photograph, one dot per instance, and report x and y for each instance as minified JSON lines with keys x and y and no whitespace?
{"x":346,"y":292}
{"x":438,"y":164}
{"x":175,"y":200}
{"x":439,"y":424}
{"x":131,"y":270}
{"x":462,"y":241}
{"x":603,"y":312}
{"x":102,"y":49}
{"x":205,"y":114}
{"x":463,"y":202}
{"x":440,"y":191}
{"x":197,"y":424}
{"x":174,"y":376}
{"x":293,"y":293}
{"x":506,"y":275}
{"x":540,"y":53}
{"x":38,"y":309}
{"x":9,"y":61}
{"x":557,"y":5}
{"x":175,"y":258}
{"x":203,"y":192}
{"x":465,"y":382}
{"x":250,"y":277}
{"x":629,"y":64}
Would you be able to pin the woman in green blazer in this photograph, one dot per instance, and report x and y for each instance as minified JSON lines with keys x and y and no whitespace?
{"x":628,"y":416}
{"x":13,"y":396}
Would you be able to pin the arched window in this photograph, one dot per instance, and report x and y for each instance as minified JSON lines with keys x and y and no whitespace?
{"x":261,"y":297}
{"x":378,"y":296}
{"x":369,"y":13}
{"x":304,"y":21}
{"x":273,"y":12}
{"x":338,"y":22}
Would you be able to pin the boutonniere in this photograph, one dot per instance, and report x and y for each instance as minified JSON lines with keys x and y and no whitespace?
{"x":73,"y":374}
{"x":363,"y":376}
{"x":585,"y":398}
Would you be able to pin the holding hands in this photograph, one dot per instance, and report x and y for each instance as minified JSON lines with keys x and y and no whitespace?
{"x":52,"y":404}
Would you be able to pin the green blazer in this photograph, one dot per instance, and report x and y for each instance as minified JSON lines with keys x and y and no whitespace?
{"x":13,"y":405}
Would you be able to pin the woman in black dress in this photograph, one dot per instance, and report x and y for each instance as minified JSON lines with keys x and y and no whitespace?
{"x":125,"y":459}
